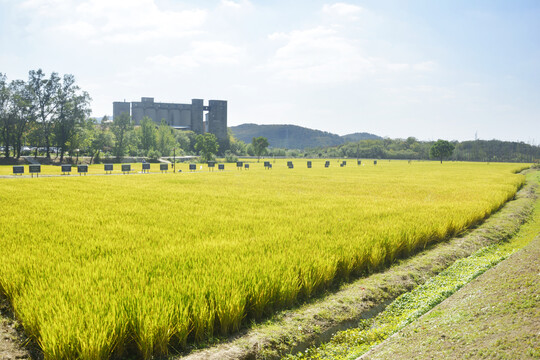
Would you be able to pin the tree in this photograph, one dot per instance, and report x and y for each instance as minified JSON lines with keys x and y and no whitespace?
{"x":147,"y":134}
{"x":183,"y":140}
{"x":237,"y":147}
{"x":23,"y":113}
{"x":44,"y":92}
{"x":259,"y":146}
{"x":101,"y":140}
{"x":442,"y":149}
{"x":72,"y":108}
{"x":165,"y":141}
{"x":207,"y":145}
{"x":6,"y":119}
{"x":121,"y":125}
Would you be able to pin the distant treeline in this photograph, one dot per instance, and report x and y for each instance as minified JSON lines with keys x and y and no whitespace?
{"x":411,"y":148}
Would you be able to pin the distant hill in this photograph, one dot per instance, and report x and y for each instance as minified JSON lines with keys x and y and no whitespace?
{"x":360,"y":136}
{"x":294,"y":137}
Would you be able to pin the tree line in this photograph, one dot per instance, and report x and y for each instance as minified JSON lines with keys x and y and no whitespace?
{"x":45,"y":111}
{"x":49,"y":116}
{"x":413,"y":149}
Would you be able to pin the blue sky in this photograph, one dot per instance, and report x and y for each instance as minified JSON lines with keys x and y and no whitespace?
{"x":429,"y":69}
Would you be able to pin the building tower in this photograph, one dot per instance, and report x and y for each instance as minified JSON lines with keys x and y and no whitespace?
{"x":217,"y":119}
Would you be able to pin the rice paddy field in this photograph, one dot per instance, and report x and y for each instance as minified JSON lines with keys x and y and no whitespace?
{"x":105,"y":266}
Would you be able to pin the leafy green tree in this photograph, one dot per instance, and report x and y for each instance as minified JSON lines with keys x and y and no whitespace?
{"x":147,"y":134}
{"x":185,"y":140}
{"x":165,"y":140}
{"x":102,"y":140}
{"x":23,"y":113}
{"x":120,"y":128}
{"x":16,"y":113}
{"x":6,"y":118}
{"x":133,"y":144}
{"x":259,"y":146}
{"x":72,"y":110}
{"x":44,"y":93}
{"x":410,"y":141}
{"x":153,"y":155}
{"x":237,"y":147}
{"x":441,"y":149}
{"x":207,"y":145}
{"x":84,"y":137}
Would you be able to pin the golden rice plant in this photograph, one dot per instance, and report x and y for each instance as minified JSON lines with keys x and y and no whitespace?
{"x":102,"y":266}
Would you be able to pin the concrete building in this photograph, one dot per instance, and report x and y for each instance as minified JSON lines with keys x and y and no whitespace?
{"x":179,"y":116}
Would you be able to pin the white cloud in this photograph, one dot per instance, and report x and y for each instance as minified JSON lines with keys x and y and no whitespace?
{"x":420,"y":94}
{"x":43,"y":7}
{"x":318,"y":55}
{"x":425,"y":66}
{"x":118,"y":21}
{"x":79,"y":28}
{"x":397,"y":67}
{"x":342,"y":10}
{"x":235,"y":4}
{"x":177,"y":61}
{"x":201,"y":53}
{"x":337,"y":52}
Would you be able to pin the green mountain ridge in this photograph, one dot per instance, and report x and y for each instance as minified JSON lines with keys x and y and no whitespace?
{"x":295,"y":137}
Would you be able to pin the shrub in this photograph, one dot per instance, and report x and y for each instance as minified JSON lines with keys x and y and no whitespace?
{"x":153,"y":155}
{"x":230,"y":157}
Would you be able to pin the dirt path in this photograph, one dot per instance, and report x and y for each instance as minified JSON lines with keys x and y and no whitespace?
{"x":11,"y":343}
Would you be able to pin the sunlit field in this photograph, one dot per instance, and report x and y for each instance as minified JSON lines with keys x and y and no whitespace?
{"x":102,"y":266}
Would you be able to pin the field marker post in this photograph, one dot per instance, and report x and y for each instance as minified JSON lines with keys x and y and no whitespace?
{"x":34,"y":169}
{"x":82,"y":169}
{"x":145,"y":167}
{"x":18,"y":170}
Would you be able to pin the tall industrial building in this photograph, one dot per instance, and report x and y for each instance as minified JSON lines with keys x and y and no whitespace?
{"x":179,"y":116}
